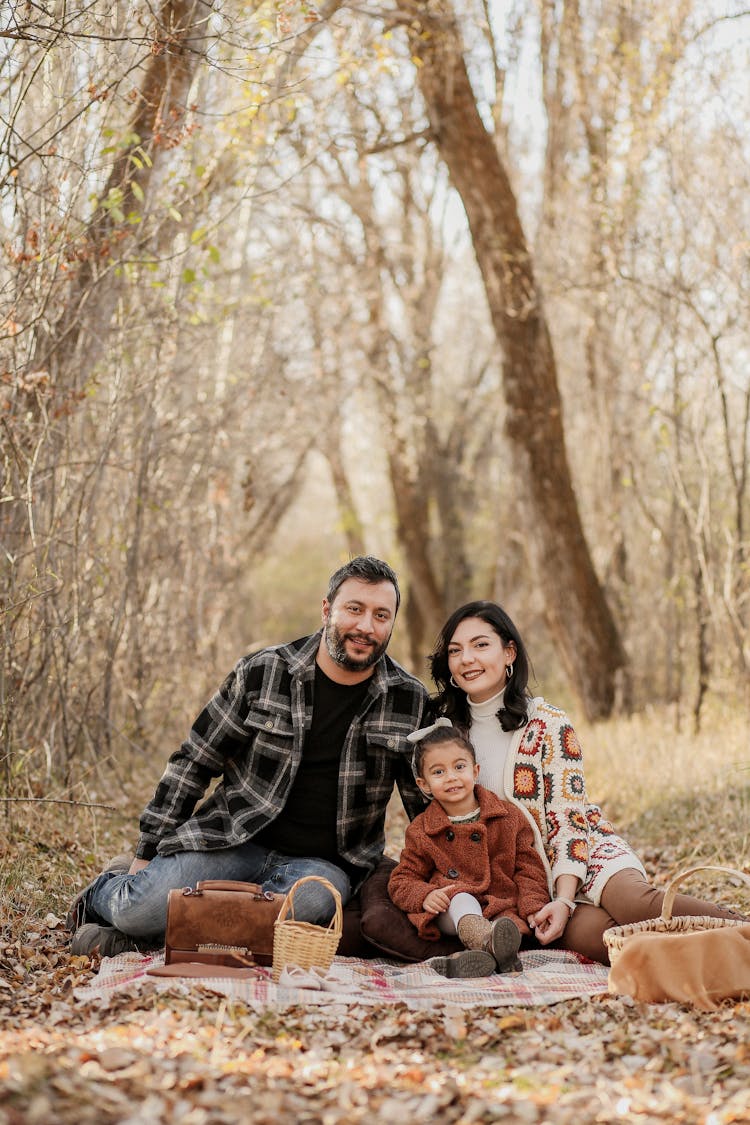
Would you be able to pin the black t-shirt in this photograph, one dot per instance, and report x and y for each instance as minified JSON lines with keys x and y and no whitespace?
{"x":306,"y":825}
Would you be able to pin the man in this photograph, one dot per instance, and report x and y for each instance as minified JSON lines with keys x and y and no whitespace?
{"x":308,"y":739}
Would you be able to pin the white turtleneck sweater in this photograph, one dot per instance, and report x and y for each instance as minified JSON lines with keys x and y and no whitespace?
{"x":491,"y":743}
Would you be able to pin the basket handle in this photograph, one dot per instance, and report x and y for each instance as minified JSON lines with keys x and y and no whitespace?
{"x":288,"y":903}
{"x":671,"y":891}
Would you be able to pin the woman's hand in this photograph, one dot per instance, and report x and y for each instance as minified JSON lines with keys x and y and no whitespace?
{"x":549,"y":922}
{"x":137,"y":865}
{"x":437,"y":901}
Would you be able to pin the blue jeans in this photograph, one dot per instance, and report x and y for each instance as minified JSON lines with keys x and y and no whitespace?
{"x":137,"y":904}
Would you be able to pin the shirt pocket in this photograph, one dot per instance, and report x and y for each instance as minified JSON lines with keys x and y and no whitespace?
{"x":271,"y":732}
{"x":384,"y":750}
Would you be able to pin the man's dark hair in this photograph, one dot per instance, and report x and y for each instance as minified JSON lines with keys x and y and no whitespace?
{"x":367,"y":569}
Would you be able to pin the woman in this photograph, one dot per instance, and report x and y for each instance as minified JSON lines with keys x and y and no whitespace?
{"x":529,"y":754}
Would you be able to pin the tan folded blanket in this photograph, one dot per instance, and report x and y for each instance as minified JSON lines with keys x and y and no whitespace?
{"x":700,"y":968}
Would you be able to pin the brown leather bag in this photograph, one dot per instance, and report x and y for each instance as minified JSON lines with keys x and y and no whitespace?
{"x":221,"y":922}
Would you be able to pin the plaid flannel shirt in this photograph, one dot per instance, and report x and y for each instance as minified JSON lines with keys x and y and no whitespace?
{"x":251,"y":735}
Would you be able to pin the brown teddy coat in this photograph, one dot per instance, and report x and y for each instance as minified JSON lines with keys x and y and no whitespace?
{"x":492,"y":858}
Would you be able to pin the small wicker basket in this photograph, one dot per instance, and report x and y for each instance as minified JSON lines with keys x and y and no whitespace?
{"x":302,"y":943}
{"x":616,"y":936}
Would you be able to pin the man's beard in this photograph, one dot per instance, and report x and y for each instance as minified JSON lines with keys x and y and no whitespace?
{"x":336,"y":645}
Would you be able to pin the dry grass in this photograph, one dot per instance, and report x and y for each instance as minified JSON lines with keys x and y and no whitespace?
{"x":638,"y":764}
{"x":681,"y":799}
{"x":49,"y":850}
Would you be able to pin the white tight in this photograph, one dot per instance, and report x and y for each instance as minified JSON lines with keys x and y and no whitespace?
{"x":461,"y":904}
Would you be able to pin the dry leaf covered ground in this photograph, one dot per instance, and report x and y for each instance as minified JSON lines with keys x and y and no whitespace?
{"x":201,"y":1060}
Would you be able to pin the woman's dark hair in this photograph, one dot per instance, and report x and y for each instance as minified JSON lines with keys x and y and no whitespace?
{"x":436,"y":738}
{"x":451,"y":701}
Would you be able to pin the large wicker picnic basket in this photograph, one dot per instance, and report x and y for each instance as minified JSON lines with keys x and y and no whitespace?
{"x":303,"y":943}
{"x":616,"y":936}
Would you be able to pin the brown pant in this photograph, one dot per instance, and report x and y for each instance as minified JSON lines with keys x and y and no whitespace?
{"x":627,"y":897}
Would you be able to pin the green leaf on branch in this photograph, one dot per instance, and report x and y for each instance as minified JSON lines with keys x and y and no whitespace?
{"x":140,"y":157}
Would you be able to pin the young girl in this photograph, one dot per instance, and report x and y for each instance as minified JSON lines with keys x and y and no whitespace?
{"x":468,"y":866}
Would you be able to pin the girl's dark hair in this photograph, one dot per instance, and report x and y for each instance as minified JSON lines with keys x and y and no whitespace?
{"x":451,"y":701}
{"x":436,"y":738}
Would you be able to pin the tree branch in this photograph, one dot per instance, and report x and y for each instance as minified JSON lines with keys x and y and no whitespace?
{"x":57,"y":801}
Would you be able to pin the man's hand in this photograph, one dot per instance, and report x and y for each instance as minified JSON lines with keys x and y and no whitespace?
{"x":137,"y":865}
{"x":549,"y":922}
{"x":438,"y":901}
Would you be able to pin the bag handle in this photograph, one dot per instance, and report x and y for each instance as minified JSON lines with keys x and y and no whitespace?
{"x":233,"y":885}
{"x":671,"y":891}
{"x":288,"y":904}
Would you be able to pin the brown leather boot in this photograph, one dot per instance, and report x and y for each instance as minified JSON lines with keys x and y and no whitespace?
{"x":475,"y":932}
{"x":501,"y":938}
{"x":464,"y":964}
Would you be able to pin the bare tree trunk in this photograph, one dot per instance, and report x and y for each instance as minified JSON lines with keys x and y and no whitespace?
{"x":412,"y":529}
{"x":155,"y":127}
{"x":454,"y":501}
{"x":673,"y":650}
{"x":419,"y":642}
{"x":702,"y":615}
{"x":351,"y":524}
{"x":582,"y":623}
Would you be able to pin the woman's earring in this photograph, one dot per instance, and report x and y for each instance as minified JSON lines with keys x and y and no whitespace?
{"x":508,"y":671}
{"x":454,"y":683}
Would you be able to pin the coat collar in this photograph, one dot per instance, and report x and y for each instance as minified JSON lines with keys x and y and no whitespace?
{"x":436,"y":820}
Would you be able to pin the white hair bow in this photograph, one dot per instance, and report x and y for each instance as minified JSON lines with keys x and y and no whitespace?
{"x":418,"y":735}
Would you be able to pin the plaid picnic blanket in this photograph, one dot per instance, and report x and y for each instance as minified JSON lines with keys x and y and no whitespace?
{"x":548,"y":976}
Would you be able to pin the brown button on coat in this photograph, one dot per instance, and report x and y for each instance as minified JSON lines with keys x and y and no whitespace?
{"x":492,"y":858}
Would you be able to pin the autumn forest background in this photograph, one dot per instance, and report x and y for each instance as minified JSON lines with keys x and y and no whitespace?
{"x":463,"y":284}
